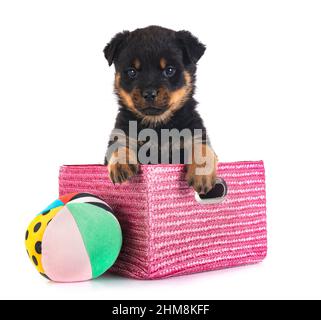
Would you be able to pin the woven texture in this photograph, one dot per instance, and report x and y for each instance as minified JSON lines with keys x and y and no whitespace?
{"x":166,"y":231}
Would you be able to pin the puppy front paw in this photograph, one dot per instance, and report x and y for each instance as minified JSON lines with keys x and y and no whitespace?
{"x":202,"y":184}
{"x":201,"y":173}
{"x":122,"y":165}
{"x":119,"y":173}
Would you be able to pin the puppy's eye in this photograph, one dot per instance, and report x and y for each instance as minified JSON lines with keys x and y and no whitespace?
{"x":132,"y":73}
{"x":169,"y":71}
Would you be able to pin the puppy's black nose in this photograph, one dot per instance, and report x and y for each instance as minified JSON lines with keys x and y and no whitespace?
{"x":149,"y":94}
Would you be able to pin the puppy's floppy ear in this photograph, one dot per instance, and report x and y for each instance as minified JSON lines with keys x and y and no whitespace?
{"x":112,"y":49}
{"x":192,"y":48}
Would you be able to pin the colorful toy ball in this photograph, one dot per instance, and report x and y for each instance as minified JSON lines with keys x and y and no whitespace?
{"x":76,"y":238}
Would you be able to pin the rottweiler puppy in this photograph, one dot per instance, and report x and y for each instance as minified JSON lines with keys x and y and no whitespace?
{"x":155,"y":81}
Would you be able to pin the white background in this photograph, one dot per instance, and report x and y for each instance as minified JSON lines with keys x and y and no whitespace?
{"x":259,"y":91}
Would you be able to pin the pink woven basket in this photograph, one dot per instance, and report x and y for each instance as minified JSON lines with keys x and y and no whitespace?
{"x":167,"y":232}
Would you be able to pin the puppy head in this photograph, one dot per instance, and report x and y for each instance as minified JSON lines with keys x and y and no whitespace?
{"x":155,"y":70}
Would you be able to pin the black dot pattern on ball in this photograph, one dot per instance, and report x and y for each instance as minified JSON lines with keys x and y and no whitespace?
{"x":27,"y":235}
{"x":35,"y":261}
{"x":45,"y":213}
{"x":45,"y":276}
{"x":37,"y":227}
{"x":38,"y":247}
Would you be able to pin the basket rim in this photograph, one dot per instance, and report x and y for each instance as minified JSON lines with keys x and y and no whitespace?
{"x":245,"y":162}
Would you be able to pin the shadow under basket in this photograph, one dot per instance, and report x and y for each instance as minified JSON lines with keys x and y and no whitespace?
{"x":169,"y":230}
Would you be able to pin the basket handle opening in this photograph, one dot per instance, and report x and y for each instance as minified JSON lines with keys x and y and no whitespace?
{"x":216,"y":195}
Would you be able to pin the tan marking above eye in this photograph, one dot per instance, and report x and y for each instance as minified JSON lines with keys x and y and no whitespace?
{"x":163,"y":63}
{"x":137,"y":64}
